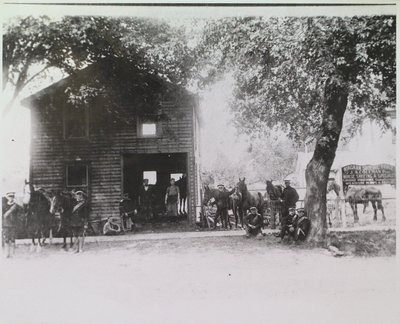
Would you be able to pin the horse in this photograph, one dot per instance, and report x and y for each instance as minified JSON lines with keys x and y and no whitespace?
{"x":274,"y":195}
{"x":236,"y":205}
{"x":210,"y":193}
{"x":39,"y":219}
{"x":249,"y":199}
{"x":355,"y":196}
{"x":182,"y":184}
{"x":332,"y":186}
{"x":61,"y":205}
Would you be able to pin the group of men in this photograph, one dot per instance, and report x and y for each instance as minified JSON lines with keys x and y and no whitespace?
{"x":144,"y":205}
{"x":13,"y":219}
{"x":293,"y":222}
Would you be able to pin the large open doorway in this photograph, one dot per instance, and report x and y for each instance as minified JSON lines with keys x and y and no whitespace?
{"x":158,"y":169}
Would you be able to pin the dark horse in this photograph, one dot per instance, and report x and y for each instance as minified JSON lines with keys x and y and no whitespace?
{"x":275,"y":195}
{"x":39,"y":220}
{"x":250,"y":199}
{"x":355,"y":196}
{"x":182,"y":184}
{"x":210,"y":193}
{"x":236,"y":204}
{"x":61,"y":206}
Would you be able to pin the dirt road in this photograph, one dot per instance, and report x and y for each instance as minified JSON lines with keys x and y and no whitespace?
{"x":196,"y":280}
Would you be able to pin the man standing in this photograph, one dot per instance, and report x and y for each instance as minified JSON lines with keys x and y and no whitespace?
{"x":254,"y":223}
{"x":172,"y":197}
{"x":222,"y":201}
{"x":289,"y":199}
{"x":79,"y":220}
{"x":146,"y":200}
{"x":127,"y":212}
{"x":11,"y":219}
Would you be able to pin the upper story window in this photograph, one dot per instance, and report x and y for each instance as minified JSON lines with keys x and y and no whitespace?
{"x":148,"y":126}
{"x":76,"y":123}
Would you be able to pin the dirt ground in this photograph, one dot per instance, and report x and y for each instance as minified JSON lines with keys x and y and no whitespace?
{"x":196,"y":280}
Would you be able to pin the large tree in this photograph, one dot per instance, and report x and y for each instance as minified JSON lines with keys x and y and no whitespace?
{"x":301,"y":75}
{"x":33,"y":46}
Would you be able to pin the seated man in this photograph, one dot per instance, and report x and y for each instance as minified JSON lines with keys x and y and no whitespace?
{"x":254,"y":223}
{"x":112,"y":227}
{"x":302,"y":225}
{"x":288,"y":226}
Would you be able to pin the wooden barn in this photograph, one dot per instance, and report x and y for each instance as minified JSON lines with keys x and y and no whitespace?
{"x":106,"y":128}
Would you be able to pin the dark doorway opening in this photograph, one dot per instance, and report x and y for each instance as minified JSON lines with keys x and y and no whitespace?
{"x":158,"y":168}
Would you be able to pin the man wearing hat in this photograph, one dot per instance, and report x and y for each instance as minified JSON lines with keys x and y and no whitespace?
{"x":11,"y":213}
{"x":127,"y":211}
{"x":222,"y":201}
{"x":289,"y":199}
{"x":288,"y":225}
{"x":79,"y":219}
{"x":254,"y":223}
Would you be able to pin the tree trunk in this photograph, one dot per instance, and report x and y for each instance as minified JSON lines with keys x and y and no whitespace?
{"x":317,"y":171}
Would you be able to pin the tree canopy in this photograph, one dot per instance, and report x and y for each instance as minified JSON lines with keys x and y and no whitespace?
{"x":282,"y":64}
{"x":34,"y":45}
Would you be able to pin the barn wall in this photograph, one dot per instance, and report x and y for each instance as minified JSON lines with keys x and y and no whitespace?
{"x":103,"y":152}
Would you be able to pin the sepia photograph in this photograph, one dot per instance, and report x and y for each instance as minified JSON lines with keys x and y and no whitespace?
{"x":199,"y":162}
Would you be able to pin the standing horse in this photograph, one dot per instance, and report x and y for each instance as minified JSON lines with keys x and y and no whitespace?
{"x":355,"y":196}
{"x":275,"y":195}
{"x":39,"y":219}
{"x":249,"y":199}
{"x":236,"y":204}
{"x":61,"y":206}
{"x":182,"y":184}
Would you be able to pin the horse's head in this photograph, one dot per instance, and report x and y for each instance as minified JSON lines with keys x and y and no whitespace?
{"x":241,"y":185}
{"x":207,"y":195}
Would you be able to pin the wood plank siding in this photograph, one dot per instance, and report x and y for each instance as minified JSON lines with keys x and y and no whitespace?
{"x":104,"y":148}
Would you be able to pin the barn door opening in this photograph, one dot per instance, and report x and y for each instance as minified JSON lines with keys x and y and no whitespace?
{"x":158,"y":169}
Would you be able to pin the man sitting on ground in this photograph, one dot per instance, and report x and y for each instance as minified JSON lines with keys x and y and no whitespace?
{"x":288,"y":227}
{"x":254,"y":223}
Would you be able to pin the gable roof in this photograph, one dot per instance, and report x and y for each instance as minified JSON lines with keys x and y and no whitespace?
{"x":120,"y":74}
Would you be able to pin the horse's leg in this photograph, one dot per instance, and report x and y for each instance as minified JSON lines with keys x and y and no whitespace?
{"x":235,"y":212}
{"x":354,"y":207}
{"x":365,"y":203}
{"x":51,"y":236}
{"x":228,"y":218}
{"x":373,"y":203}
{"x":380,"y":206}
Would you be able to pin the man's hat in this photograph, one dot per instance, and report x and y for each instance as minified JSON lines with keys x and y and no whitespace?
{"x":81,"y":193}
{"x":287,"y":180}
{"x":10,"y":194}
{"x":292,"y":209}
{"x":253,"y":208}
{"x":221,"y":185}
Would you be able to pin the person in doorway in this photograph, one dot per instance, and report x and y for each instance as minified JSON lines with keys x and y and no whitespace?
{"x":146,"y":200}
{"x":111,"y":227}
{"x":254,"y":223}
{"x":127,"y":212}
{"x":289,"y":199}
{"x":11,"y":213}
{"x":172,"y":197}
{"x":222,"y":202}
{"x":79,"y":220}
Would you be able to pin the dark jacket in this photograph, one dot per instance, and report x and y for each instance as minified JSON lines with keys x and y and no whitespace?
{"x":12,"y":214}
{"x":255,"y":220}
{"x":290,"y":197}
{"x":222,"y":199}
{"x":79,"y":216}
{"x":145,"y":196}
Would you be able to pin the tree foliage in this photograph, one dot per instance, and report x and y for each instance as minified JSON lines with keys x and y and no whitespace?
{"x":282,"y":64}
{"x":33,"y":45}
